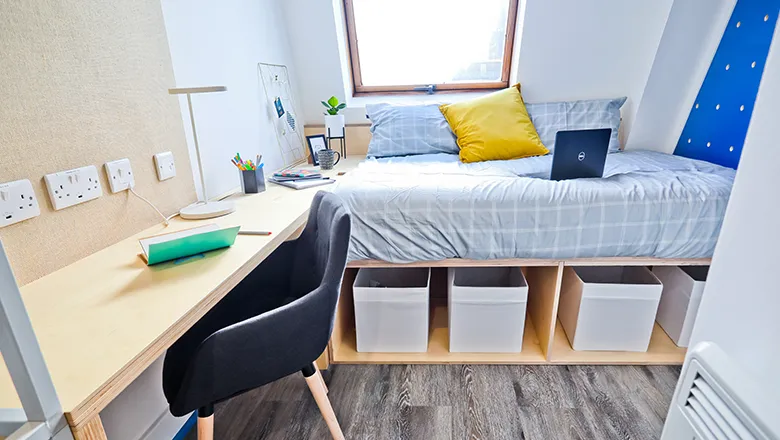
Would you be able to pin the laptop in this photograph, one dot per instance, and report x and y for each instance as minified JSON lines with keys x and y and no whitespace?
{"x":580,"y":153}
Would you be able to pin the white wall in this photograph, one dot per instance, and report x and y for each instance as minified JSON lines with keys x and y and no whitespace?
{"x":688,"y":45}
{"x":316,"y":53}
{"x":574,"y":49}
{"x":141,"y":411}
{"x":220,"y":43}
{"x":211,"y":43}
{"x":739,"y":309}
{"x":568,"y":49}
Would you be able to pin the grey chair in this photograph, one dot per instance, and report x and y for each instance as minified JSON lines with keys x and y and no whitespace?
{"x":276,"y":322}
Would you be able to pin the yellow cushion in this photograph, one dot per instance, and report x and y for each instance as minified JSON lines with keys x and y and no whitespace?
{"x":494,"y":127}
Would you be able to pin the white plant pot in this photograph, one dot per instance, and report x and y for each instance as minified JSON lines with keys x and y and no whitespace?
{"x":334,"y":126}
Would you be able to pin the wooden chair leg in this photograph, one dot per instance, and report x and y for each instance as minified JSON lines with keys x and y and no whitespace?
{"x":320,"y":378}
{"x":319,"y":391}
{"x":206,"y":423}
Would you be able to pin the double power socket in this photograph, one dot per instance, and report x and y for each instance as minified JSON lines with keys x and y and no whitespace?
{"x":17,"y":202}
{"x":72,"y":187}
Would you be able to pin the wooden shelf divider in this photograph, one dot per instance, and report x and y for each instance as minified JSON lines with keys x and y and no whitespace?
{"x":544,"y":285}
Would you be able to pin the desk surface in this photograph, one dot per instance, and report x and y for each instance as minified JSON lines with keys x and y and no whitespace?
{"x":103,"y":320}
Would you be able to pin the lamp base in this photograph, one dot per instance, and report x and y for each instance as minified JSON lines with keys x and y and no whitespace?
{"x":201,"y":210}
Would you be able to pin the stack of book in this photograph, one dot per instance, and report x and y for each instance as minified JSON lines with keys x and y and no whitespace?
{"x":300,"y":179}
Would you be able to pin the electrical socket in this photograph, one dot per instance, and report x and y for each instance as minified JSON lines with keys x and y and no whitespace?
{"x":120,"y":175}
{"x":17,"y":202}
{"x":68,"y":188}
{"x":165,"y":166}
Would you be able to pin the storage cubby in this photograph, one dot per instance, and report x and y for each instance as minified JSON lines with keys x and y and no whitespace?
{"x":683,"y":289}
{"x":662,"y":351}
{"x":391,"y":309}
{"x":609,"y":307}
{"x":487,"y":309}
{"x":344,"y":340}
{"x":544,"y":339}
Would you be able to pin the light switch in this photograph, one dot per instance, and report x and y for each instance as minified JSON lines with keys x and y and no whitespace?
{"x":120,"y":175}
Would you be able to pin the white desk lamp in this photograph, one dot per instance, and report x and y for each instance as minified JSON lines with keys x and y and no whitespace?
{"x":204,"y":208}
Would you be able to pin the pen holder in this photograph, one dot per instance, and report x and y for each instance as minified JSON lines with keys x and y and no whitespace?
{"x":252,"y":181}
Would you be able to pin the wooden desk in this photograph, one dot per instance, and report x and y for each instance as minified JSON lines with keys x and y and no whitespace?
{"x":103,"y":320}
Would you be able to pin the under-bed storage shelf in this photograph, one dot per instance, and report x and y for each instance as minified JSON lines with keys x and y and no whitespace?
{"x":438,"y":348}
{"x":544,"y":340}
{"x":662,"y":351}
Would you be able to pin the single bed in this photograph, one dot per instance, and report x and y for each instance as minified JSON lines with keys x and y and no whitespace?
{"x":433,"y":207}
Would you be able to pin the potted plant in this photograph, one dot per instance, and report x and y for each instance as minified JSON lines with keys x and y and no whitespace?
{"x":334,"y":122}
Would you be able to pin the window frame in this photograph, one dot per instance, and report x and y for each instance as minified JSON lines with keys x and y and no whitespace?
{"x":359,"y":89}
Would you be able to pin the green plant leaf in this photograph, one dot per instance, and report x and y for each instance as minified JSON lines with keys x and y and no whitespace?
{"x":325,"y":104}
{"x":333,"y":101}
{"x":341,"y":106}
{"x":333,"y":111}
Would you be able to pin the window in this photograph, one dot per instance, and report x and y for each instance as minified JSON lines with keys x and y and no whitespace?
{"x":430,"y":45}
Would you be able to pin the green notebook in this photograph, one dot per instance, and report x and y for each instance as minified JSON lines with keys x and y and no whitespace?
{"x":186,"y":243}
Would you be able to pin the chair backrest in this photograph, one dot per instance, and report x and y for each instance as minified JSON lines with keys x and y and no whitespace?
{"x":321,"y":252}
{"x":291,"y":336}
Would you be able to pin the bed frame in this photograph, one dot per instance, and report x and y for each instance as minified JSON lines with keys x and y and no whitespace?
{"x":544,"y":341}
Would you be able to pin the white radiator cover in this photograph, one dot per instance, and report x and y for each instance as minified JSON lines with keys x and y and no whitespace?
{"x":715,"y":400}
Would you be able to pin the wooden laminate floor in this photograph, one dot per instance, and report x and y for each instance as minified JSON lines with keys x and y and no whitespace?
{"x":433,"y":402}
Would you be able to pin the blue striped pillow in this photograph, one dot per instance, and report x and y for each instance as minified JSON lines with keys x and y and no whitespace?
{"x":404,"y":130}
{"x":550,"y":117}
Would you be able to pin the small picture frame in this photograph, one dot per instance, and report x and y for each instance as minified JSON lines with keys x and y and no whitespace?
{"x":278,"y":106}
{"x":316,"y":143}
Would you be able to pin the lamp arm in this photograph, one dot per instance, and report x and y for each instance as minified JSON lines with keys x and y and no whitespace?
{"x":197,"y":150}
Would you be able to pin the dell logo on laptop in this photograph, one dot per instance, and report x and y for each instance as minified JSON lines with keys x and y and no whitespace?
{"x":581,"y":156}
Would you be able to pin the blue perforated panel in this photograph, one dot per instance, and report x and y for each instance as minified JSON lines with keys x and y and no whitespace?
{"x":719,"y":119}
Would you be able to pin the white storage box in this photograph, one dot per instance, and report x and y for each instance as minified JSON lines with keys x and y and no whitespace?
{"x":487,"y":309}
{"x":680,"y":299}
{"x":609,"y":308}
{"x":391,"y":309}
